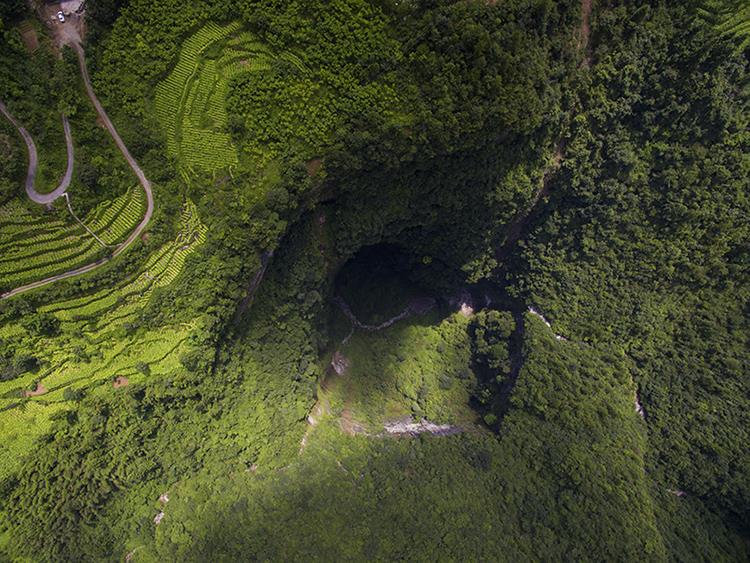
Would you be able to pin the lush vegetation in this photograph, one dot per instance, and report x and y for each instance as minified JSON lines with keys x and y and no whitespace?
{"x":407,"y":371}
{"x":645,"y":242}
{"x":474,"y":495}
{"x":427,"y":280}
{"x":731,"y":19}
{"x":64,"y":351}
{"x":37,"y":245}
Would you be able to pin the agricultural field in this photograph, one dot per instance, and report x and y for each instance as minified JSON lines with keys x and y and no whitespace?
{"x":94,"y":346}
{"x":191,"y":101}
{"x":38,"y":244}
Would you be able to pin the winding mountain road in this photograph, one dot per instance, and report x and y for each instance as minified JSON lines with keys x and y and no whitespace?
{"x":35,"y":196}
{"x":145,"y":183}
{"x":123,"y":149}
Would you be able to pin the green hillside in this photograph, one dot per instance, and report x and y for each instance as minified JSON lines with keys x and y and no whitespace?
{"x":374,"y":281}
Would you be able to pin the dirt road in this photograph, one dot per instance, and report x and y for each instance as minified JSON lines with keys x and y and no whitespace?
{"x":123,"y":149}
{"x":35,"y":196}
{"x":131,"y":162}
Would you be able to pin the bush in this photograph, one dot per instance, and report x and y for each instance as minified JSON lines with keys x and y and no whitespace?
{"x":72,"y":394}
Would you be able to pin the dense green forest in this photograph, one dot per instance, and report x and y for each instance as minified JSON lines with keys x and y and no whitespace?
{"x":425,"y":280}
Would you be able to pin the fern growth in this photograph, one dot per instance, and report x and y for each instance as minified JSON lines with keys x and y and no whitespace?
{"x":730,"y":19}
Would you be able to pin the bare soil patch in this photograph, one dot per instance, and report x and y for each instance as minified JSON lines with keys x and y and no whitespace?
{"x":40,"y":390}
{"x":585,"y":31}
{"x":120,"y":382}
{"x":68,"y":32}
{"x":313,"y":166}
{"x":348,"y":424}
{"x":29,"y":37}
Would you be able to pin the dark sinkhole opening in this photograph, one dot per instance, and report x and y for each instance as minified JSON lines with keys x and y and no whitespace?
{"x":386,"y":288}
{"x":379,"y":282}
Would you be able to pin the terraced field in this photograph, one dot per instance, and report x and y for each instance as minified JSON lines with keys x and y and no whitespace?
{"x":95,"y":345}
{"x":190,"y":102}
{"x":124,"y":301}
{"x":730,"y":19}
{"x":35,"y":244}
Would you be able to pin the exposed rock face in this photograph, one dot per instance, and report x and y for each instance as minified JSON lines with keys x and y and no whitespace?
{"x":639,"y":407}
{"x":536,"y":313}
{"x":339,"y":363}
{"x":409,"y":427}
{"x":467,"y":310}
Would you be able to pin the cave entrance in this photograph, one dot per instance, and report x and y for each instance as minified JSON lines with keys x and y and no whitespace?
{"x":379,"y":282}
{"x":479,"y":362}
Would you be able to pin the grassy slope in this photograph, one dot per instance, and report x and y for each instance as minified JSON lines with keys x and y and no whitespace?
{"x":418,"y":367}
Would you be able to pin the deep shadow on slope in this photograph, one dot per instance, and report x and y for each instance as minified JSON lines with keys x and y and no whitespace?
{"x":385,"y":284}
{"x":565,"y":480}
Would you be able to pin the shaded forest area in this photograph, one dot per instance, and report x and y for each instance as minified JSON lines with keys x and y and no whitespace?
{"x":446,"y":119}
{"x":646,"y":239}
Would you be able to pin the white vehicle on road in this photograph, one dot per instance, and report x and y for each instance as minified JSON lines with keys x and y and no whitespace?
{"x":60,"y":17}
